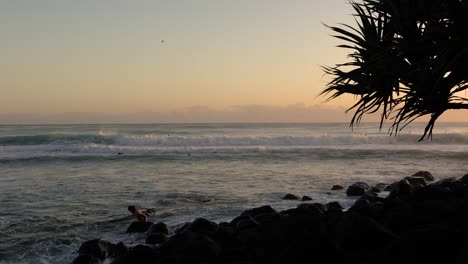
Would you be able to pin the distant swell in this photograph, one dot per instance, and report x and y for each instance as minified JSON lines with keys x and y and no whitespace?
{"x":55,"y":139}
{"x":226,"y":141}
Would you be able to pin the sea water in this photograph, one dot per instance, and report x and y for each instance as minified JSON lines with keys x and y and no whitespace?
{"x":62,"y":185}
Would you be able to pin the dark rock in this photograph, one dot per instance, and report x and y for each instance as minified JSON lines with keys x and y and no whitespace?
{"x":96,"y":248}
{"x":189,"y":247}
{"x":159,"y":228}
{"x":445,"y":244}
{"x":142,"y":254}
{"x":204,"y":227}
{"x":306,"y":198}
{"x":464,"y":179}
{"x":118,"y":251}
{"x":290,"y":197}
{"x":138,"y":227}
{"x":182,"y":228}
{"x":401,"y":190}
{"x":259,"y":210}
{"x":334,"y":206}
{"x":425,"y":174}
{"x":358,"y":189}
{"x":245,"y":223}
{"x":381,"y":186}
{"x":390,"y":187}
{"x":267,"y":218}
{"x":337,"y":187}
{"x":156,"y":238}
{"x":416,"y":181}
{"x":85,"y":259}
{"x":314,"y":209}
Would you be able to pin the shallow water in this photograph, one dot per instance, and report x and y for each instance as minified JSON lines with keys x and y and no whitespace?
{"x":61,"y":185}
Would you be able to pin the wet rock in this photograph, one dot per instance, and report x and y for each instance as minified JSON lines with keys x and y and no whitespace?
{"x":156,"y":238}
{"x":189,"y":247}
{"x":425,"y":174}
{"x":258,"y":210}
{"x":464,"y":179}
{"x":380,"y":186}
{"x":85,"y":259}
{"x":204,"y":227}
{"x":337,"y":187}
{"x":314,"y":209}
{"x":290,"y":196}
{"x":416,"y":181}
{"x":138,"y":227}
{"x":334,"y":206}
{"x":96,"y":248}
{"x":402,"y":190}
{"x":141,"y":254}
{"x":159,"y":228}
{"x":306,"y":198}
{"x":358,"y":189}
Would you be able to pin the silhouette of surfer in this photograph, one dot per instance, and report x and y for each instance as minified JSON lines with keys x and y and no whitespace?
{"x":141,"y":216}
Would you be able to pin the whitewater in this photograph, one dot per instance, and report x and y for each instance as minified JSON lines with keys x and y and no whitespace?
{"x":61,"y":185}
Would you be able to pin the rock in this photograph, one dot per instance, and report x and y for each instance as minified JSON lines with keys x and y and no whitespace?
{"x":159,"y":228}
{"x":358,"y":189}
{"x":416,"y":181}
{"x":401,"y":190}
{"x":189,"y":247}
{"x":337,"y":187}
{"x":156,"y":238}
{"x":204,"y":227}
{"x":334,"y":206}
{"x":267,"y":218}
{"x":259,"y":210}
{"x":425,"y":174}
{"x":85,"y":259}
{"x":314,"y":209}
{"x":96,"y":248}
{"x":306,"y":198}
{"x":142,"y":254}
{"x":464,"y":179}
{"x":290,"y":197}
{"x":381,"y":186}
{"x":138,"y":227}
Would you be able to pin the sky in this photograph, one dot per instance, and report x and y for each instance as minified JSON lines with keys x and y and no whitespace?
{"x":122,"y":61}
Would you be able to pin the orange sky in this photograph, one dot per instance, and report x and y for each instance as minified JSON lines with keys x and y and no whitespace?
{"x":165,"y":61}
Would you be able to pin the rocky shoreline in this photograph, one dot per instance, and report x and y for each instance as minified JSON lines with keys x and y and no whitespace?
{"x":420,"y":221}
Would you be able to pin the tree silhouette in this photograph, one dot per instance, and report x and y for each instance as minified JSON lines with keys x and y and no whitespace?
{"x":408,"y":59}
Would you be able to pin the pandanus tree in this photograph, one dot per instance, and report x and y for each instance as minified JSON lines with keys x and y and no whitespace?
{"x":408,"y":59}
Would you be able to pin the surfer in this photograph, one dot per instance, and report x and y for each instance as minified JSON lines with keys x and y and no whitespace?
{"x":141,"y":216}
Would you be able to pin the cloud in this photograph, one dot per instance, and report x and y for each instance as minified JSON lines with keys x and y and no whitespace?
{"x":299,"y":112}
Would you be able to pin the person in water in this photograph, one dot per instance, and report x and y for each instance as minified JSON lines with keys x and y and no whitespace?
{"x":141,"y":216}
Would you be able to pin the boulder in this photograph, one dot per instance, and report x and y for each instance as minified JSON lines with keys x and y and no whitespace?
{"x":358,"y":189}
{"x":96,"y":248}
{"x":139,"y":227}
{"x":334,"y":207}
{"x":156,"y":238}
{"x":380,"y":186}
{"x":290,"y":197}
{"x":416,"y":181}
{"x":337,"y":187}
{"x":259,"y":210}
{"x":189,"y":247}
{"x":464,"y":179}
{"x":142,"y":254}
{"x":159,"y":228}
{"x":306,"y":198}
{"x":85,"y":259}
{"x":425,"y":174}
{"x":204,"y":227}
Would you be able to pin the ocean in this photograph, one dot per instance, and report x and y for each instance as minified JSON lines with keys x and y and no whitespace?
{"x":61,"y":185}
